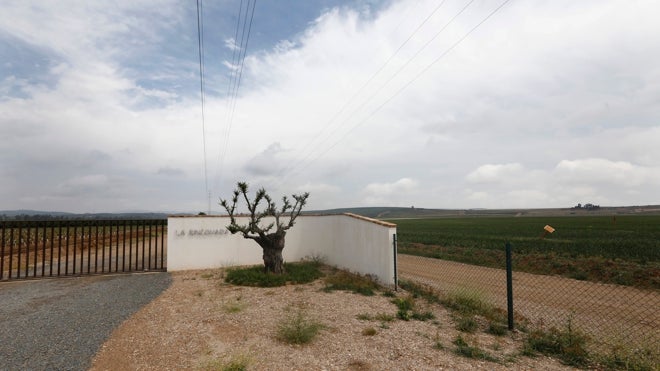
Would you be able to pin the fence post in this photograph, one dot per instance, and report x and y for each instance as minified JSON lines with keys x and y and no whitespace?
{"x":509,"y":286}
{"x":396,"y":279}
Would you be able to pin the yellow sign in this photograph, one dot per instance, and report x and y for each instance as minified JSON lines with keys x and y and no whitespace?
{"x":549,"y":229}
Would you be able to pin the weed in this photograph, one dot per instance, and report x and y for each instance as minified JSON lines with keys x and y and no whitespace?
{"x":342,"y":280}
{"x":423,"y":316}
{"x":497,"y":329}
{"x":568,"y":344}
{"x":420,"y":291}
{"x":404,"y":304}
{"x":364,"y":317}
{"x":369,"y":331}
{"x":465,"y":350}
{"x":234,"y":306}
{"x":298,"y":328}
{"x":467,"y":324}
{"x":384,"y":317}
{"x":239,"y":363}
{"x":403,"y":315}
{"x":622,"y":357}
{"x":206,"y":276}
{"x":389,"y":293}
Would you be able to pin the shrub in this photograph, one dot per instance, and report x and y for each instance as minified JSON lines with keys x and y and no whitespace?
{"x":297,"y":328}
{"x":303,"y":272}
{"x":342,"y":280}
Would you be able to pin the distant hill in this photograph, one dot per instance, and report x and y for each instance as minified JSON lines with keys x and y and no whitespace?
{"x":371,"y":212}
{"x":48,"y":215}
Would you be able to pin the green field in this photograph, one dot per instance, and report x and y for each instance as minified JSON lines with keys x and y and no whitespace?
{"x":623,"y":250}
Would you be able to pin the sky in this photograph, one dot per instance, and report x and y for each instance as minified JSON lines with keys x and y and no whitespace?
{"x":450,"y":104}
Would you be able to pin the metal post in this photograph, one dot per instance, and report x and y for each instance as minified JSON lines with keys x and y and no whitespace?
{"x":396,"y":279}
{"x":509,"y":286}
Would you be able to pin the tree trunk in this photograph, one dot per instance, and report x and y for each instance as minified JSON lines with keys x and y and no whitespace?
{"x":272,"y":247}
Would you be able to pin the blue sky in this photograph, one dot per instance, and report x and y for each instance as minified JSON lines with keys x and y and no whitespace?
{"x":361,"y":103}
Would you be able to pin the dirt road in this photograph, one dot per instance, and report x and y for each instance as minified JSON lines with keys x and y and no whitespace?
{"x":610,"y":314}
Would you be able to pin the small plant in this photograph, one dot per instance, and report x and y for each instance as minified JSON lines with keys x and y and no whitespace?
{"x":234,"y":306}
{"x":389,"y":293}
{"x":403,"y":315}
{"x":384,"y":317}
{"x":297,"y":328}
{"x":342,"y":280}
{"x":623,"y":357}
{"x":364,"y":317}
{"x":423,"y":316}
{"x":420,"y":291}
{"x":497,"y":329}
{"x":237,"y":364}
{"x":404,"y":304}
{"x":568,"y":344}
{"x":206,"y":276}
{"x":465,"y":350}
{"x":369,"y":331}
{"x":467,"y":324}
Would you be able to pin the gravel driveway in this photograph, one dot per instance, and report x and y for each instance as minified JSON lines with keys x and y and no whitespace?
{"x":59,"y":324}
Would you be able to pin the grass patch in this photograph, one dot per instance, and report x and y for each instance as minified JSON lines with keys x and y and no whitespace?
{"x":467,"y":324}
{"x":466,"y":350}
{"x":418,"y":291}
{"x":298,"y":328}
{"x":234,"y":306}
{"x":296,"y":273}
{"x":239,"y":363}
{"x":423,"y":316}
{"x":384,"y":317}
{"x":364,"y":317}
{"x":623,"y":357}
{"x":369,"y":331}
{"x":343,"y":280}
{"x":567,"y":344}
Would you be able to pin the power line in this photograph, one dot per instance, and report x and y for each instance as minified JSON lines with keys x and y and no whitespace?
{"x":200,"y":45}
{"x":237,"y":81}
{"x":361,"y":89}
{"x":381,"y":87}
{"x":405,"y":86}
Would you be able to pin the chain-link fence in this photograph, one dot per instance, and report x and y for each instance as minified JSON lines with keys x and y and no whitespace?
{"x":617,"y":320}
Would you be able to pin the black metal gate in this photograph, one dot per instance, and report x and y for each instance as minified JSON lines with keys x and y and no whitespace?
{"x":57,"y":248}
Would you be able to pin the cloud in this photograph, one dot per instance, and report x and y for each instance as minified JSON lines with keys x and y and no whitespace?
{"x":266,"y":162}
{"x":545,"y":104}
{"x":495,"y":173}
{"x":390,"y":194}
{"x":603,"y":171}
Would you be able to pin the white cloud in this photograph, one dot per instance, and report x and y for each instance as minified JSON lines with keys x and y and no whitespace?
{"x":546,"y":104}
{"x":495,"y":173}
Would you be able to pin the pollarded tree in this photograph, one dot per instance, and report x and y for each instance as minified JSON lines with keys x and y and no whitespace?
{"x":272,"y":242}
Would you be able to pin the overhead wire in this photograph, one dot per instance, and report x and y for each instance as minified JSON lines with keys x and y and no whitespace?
{"x":200,"y":47}
{"x":380,"y":88}
{"x":361,"y":89}
{"x":237,"y":74}
{"x":400,"y":90}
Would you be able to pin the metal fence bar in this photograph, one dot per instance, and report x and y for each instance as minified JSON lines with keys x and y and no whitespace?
{"x":33,"y":249}
{"x":2,"y":251}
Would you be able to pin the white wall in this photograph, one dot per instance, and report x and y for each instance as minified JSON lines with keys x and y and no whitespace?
{"x":347,"y":241}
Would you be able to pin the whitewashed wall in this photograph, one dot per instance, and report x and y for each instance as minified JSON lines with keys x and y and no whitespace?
{"x":347,"y":241}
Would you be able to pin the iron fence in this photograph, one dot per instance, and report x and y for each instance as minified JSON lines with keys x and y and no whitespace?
{"x":35,"y":249}
{"x":615,"y":320}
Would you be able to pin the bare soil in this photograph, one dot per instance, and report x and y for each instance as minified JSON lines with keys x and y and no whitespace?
{"x":202,"y":323}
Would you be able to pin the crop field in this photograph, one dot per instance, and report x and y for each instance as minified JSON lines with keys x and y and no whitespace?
{"x":622,"y":249}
